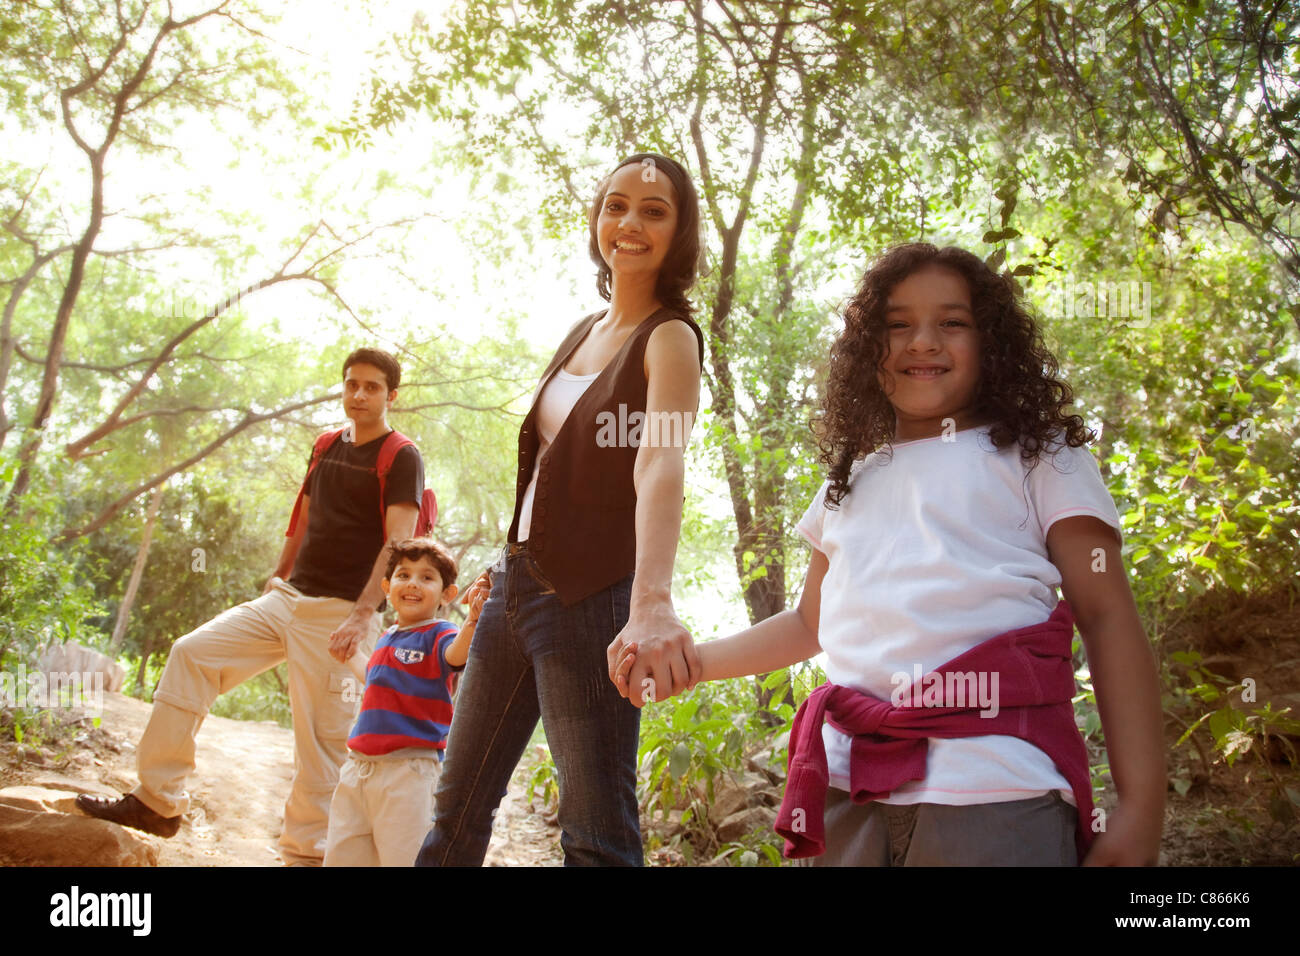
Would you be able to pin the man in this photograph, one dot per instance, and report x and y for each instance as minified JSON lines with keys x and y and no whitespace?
{"x":319,"y":606}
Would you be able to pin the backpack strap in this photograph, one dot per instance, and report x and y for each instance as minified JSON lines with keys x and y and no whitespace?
{"x":323,"y":442}
{"x":393,"y":443}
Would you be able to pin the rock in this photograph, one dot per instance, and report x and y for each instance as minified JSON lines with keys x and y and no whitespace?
{"x":72,"y":659}
{"x":42,"y":838}
{"x":39,"y":799}
{"x":667,"y":827}
{"x":57,"y":781}
{"x":766,"y":761}
{"x":731,"y":795}
{"x":739,"y":824}
{"x":82,"y":758}
{"x":33,"y":756}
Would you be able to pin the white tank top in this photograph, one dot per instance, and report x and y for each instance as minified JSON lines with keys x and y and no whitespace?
{"x":553,"y":406}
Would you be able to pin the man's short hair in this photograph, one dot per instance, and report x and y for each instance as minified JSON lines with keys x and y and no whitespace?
{"x":413,"y":549}
{"x":380,"y":360}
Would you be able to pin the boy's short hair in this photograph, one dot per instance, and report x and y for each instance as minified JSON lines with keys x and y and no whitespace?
{"x":380,"y":360}
{"x":413,"y":549}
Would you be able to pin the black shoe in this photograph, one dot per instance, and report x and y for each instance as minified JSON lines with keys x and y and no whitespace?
{"x":129,"y":812}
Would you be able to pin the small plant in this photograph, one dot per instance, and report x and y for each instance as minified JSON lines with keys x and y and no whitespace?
{"x":544,"y":780}
{"x":688,"y":741}
{"x":1237,"y":732}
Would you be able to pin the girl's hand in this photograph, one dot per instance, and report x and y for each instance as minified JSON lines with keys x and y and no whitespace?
{"x":1130,"y":839}
{"x":623,"y":666}
{"x":649,"y":693}
{"x":476,"y":596}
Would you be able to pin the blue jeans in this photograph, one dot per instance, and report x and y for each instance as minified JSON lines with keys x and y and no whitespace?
{"x":533,"y":657}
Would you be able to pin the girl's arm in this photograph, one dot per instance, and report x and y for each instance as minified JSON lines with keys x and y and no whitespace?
{"x":1093,"y":580}
{"x":781,"y":640}
{"x":667,"y":653}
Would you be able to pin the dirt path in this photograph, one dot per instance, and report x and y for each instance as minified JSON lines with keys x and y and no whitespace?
{"x":238,"y":789}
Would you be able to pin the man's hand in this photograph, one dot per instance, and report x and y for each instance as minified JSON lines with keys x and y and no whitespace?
{"x":350,"y":634}
{"x":664,"y":655}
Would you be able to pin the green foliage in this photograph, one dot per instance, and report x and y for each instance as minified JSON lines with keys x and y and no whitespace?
{"x":261,"y":698}
{"x":46,"y":592}
{"x":1235,"y":729}
{"x":688,"y":741}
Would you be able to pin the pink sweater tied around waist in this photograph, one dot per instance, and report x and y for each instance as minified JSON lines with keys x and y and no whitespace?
{"x":1034,"y":692}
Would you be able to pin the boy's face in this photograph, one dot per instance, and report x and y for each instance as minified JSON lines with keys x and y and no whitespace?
{"x":415,"y":590}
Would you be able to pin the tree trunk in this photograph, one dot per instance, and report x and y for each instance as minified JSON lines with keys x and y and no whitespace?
{"x":137,"y":572}
{"x":144,"y":665}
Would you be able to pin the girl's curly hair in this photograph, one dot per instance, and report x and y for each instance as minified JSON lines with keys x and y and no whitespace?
{"x":1019,"y":394}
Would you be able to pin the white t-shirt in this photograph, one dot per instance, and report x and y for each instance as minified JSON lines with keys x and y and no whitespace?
{"x":933,"y":552}
{"x":553,"y":406}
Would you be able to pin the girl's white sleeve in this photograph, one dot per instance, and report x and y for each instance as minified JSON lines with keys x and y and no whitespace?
{"x":1067,"y":483}
{"x":814,"y":519}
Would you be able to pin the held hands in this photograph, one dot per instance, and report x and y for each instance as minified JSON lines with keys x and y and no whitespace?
{"x":653,"y":657}
{"x":348,"y":636}
{"x":476,"y":596}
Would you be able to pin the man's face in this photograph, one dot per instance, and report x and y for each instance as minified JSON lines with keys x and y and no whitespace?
{"x":366,"y":396}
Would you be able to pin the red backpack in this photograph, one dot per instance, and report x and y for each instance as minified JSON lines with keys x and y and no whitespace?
{"x":394,"y":443}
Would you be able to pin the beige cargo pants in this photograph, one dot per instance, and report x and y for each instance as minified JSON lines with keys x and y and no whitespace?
{"x":382,"y":811}
{"x":281,"y":625}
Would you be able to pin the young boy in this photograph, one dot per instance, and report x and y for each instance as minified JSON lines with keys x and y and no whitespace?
{"x":383,"y":805}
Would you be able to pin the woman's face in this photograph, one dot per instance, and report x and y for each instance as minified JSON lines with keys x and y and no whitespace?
{"x":637,"y":221}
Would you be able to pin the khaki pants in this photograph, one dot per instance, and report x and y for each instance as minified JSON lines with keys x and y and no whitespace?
{"x":281,"y":625}
{"x":381,"y":812}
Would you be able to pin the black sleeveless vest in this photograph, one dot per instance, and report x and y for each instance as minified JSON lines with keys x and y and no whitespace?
{"x":583,"y":529}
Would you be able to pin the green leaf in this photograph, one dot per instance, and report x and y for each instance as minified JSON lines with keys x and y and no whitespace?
{"x":680,"y":761}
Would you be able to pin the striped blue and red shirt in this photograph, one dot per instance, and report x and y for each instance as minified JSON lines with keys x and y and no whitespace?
{"x":407,"y":700}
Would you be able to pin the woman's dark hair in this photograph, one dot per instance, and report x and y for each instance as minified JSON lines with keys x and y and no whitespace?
{"x":1018,"y":395}
{"x":677,"y":274}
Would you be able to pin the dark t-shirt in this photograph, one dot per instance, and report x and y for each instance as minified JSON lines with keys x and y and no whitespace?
{"x":344,"y":525}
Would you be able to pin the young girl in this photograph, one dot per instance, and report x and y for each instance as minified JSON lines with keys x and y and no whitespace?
{"x":960,"y":496}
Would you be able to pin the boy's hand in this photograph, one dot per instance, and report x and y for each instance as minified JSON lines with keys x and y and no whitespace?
{"x":1130,"y":839}
{"x":349,"y":636}
{"x":476,"y":596}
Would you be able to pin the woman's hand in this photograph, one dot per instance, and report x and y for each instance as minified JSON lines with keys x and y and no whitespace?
{"x":653,"y":657}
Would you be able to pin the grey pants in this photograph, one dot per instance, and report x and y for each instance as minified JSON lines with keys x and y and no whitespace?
{"x":1034,"y":832}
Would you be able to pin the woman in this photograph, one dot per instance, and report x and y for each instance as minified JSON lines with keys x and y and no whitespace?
{"x":589,"y":565}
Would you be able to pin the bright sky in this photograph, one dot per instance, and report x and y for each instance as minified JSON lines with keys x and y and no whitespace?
{"x":222,"y":180}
